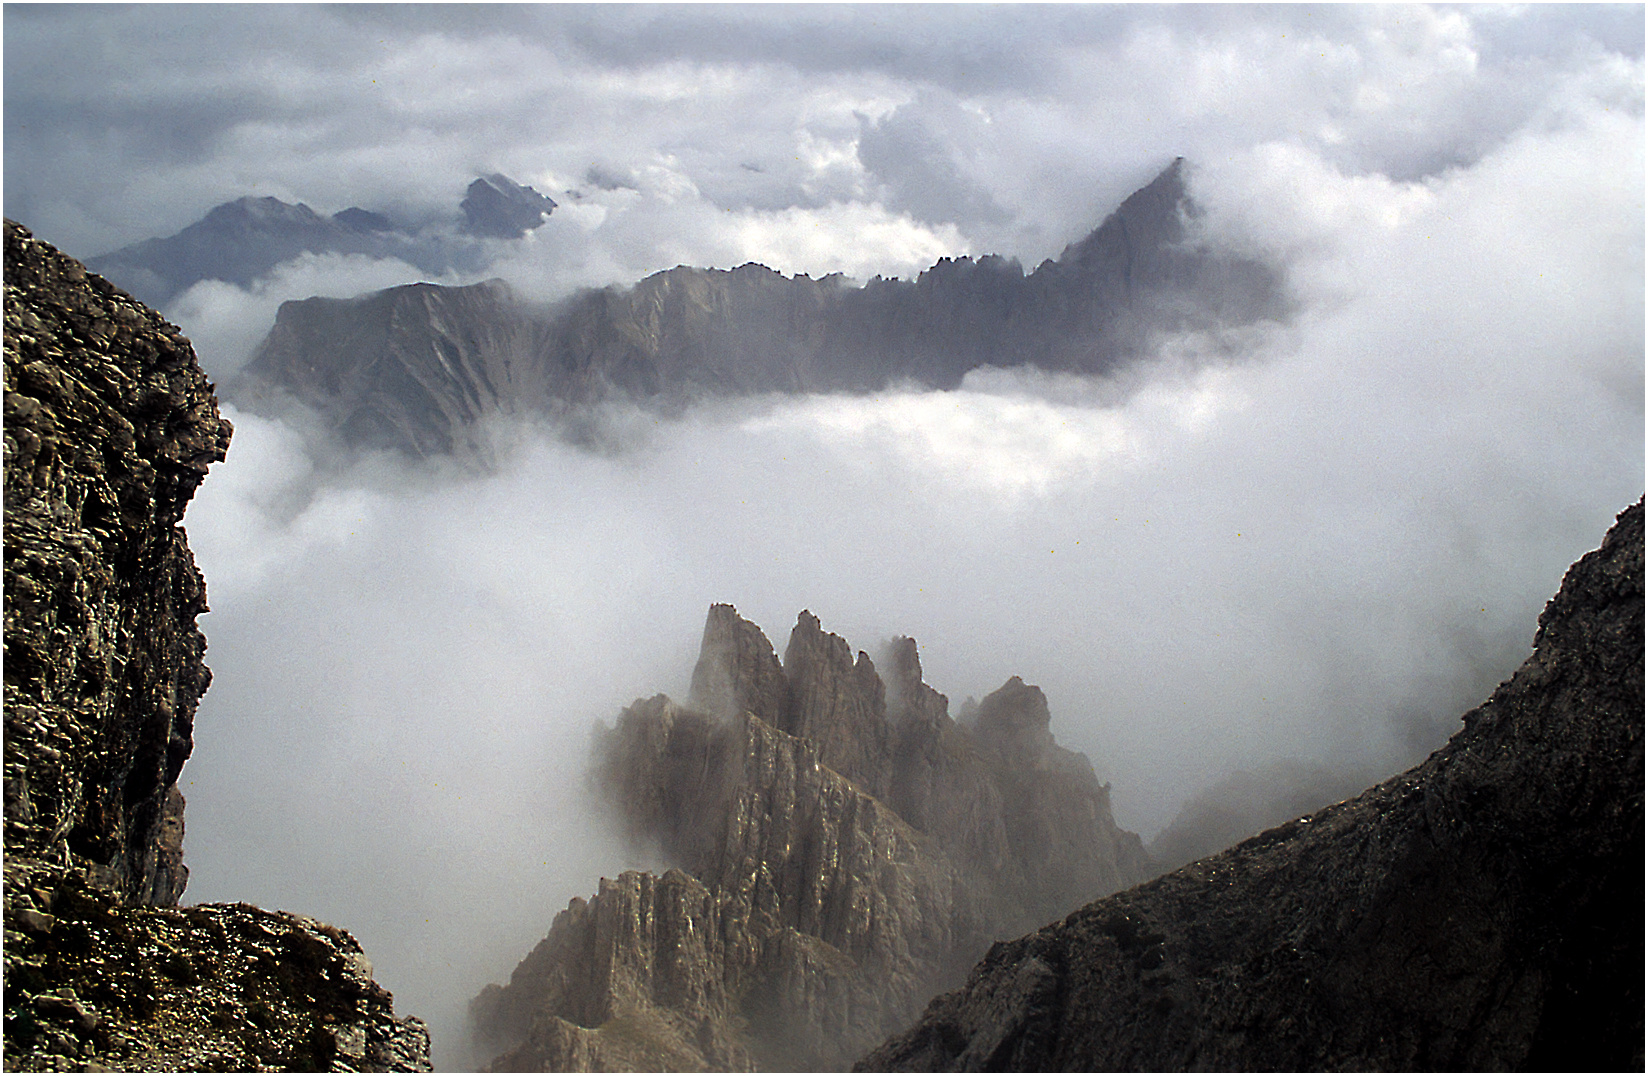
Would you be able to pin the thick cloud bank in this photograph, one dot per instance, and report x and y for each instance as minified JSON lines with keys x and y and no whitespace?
{"x":817,"y":139}
{"x":1323,"y":549}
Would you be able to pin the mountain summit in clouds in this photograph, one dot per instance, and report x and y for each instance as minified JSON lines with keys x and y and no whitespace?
{"x":243,"y":240}
{"x":841,"y":847}
{"x":424,"y":364}
{"x":498,"y":207}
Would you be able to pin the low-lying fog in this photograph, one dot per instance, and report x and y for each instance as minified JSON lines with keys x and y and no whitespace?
{"x":1323,"y":549}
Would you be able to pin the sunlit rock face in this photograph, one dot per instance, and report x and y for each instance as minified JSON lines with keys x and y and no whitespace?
{"x":842,"y":849}
{"x":110,"y":427}
{"x":688,"y":333}
{"x":1480,"y":911}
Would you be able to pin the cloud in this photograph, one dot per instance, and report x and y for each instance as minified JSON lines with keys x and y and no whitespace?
{"x":1323,"y":549}
{"x":1020,"y":126}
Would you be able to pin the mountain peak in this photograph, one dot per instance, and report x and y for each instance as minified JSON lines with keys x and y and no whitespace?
{"x":497,"y":207}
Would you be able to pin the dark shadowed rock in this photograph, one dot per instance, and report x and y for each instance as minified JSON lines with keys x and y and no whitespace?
{"x":806,"y":916}
{"x":1481,"y":911}
{"x":110,"y":427}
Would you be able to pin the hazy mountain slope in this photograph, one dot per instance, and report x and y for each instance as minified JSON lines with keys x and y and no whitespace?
{"x":110,"y":427}
{"x":807,"y":916}
{"x":1481,"y":911}
{"x":242,"y":240}
{"x":688,"y":333}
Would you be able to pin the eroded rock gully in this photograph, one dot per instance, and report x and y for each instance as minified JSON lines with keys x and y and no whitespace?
{"x":843,"y":848}
{"x":109,"y":428}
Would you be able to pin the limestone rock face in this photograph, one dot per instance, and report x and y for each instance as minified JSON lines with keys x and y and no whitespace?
{"x":110,"y":427}
{"x":805,"y":916}
{"x":1480,"y":911}
{"x":687,"y":333}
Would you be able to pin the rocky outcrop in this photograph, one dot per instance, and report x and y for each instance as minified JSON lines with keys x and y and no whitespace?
{"x":806,"y":914}
{"x":109,"y":428}
{"x":689,"y":333}
{"x":92,"y":985}
{"x":1480,"y":911}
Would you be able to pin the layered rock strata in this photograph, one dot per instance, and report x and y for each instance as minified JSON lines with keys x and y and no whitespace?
{"x":109,"y":428}
{"x":843,"y":848}
{"x":690,"y":333}
{"x":1480,"y":911}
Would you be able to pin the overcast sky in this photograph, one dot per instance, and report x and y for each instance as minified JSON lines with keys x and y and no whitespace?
{"x":1324,"y":549}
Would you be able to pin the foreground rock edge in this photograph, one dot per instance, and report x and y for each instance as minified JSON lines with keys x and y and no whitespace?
{"x":110,"y":425}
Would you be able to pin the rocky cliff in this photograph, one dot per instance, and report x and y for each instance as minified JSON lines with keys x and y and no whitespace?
{"x":842,"y":848}
{"x":109,"y":428}
{"x":689,"y":333}
{"x":1481,"y":911}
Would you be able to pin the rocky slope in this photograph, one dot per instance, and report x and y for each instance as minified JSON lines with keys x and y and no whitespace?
{"x":1481,"y":911}
{"x":688,"y":333}
{"x":842,"y":848}
{"x":109,"y":428}
{"x":243,"y":240}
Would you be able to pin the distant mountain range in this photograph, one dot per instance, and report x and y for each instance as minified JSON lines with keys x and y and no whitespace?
{"x":417,"y":367}
{"x":240,"y":241}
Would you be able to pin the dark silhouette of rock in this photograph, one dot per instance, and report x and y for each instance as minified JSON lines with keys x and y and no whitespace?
{"x":689,"y":333}
{"x":804,"y":917}
{"x":1480,"y":911}
{"x":110,"y":427}
{"x":498,"y":207}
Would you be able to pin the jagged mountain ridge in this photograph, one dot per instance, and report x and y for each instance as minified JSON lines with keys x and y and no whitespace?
{"x":242,"y":240}
{"x":110,"y":426}
{"x":842,"y":847}
{"x":1481,"y":911}
{"x":688,"y":333}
